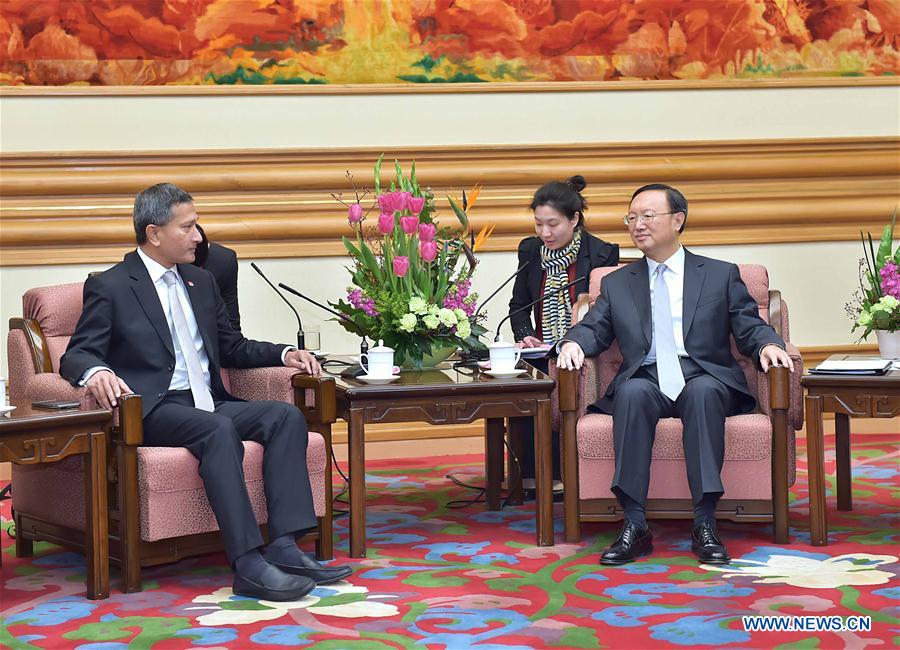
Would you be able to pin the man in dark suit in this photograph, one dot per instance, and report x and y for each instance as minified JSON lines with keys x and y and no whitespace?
{"x":222,"y":262}
{"x":157,"y":325}
{"x":673,"y":314}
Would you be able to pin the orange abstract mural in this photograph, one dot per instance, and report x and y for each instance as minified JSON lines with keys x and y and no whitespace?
{"x":226,"y":42}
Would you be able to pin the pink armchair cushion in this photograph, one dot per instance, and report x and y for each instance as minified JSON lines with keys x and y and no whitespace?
{"x":56,"y":308}
{"x":748,"y":448}
{"x":172,"y":499}
{"x":20,"y":363}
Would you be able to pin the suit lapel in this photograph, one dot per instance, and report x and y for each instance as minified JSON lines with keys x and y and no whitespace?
{"x":148,"y":299}
{"x":204,"y":313}
{"x":694,"y":274}
{"x":583,"y":265}
{"x":640,"y":293}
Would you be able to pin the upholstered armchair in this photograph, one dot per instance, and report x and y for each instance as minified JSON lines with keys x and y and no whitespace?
{"x":760,"y":450}
{"x":159,"y":512}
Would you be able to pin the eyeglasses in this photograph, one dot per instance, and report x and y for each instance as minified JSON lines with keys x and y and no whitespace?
{"x":630,"y":219}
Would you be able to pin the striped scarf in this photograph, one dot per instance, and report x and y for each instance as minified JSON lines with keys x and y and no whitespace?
{"x":556,"y":312}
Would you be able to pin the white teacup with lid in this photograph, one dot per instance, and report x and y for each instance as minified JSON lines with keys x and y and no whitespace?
{"x":378,"y":362}
{"x":504,"y":356}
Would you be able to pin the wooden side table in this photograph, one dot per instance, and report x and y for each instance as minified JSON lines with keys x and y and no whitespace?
{"x":865,"y":396}
{"x":30,"y":436}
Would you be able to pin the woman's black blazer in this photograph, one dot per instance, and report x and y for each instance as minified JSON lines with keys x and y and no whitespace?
{"x":594,"y":252}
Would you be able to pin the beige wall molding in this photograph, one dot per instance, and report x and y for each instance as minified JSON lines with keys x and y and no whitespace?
{"x":439,"y":88}
{"x":63,"y":208}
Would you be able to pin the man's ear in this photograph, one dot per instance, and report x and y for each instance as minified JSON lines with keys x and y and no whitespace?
{"x":678,"y":221}
{"x":152,"y":232}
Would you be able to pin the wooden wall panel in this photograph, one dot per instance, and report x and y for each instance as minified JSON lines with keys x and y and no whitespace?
{"x":75,"y":207}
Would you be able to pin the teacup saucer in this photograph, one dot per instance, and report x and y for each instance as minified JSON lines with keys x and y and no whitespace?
{"x":505,"y":374}
{"x":7,"y":409}
{"x":378,"y":380}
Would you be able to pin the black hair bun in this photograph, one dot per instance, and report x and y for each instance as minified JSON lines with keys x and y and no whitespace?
{"x":576,"y":182}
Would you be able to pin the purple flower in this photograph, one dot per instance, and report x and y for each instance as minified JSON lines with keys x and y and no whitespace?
{"x":386,"y":223}
{"x":890,"y":279}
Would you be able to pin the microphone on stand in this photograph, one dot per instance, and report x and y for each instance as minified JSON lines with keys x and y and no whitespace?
{"x":471,"y":359}
{"x":497,"y":290}
{"x":353,"y":370}
{"x":534,"y":302}
{"x":300,"y":337}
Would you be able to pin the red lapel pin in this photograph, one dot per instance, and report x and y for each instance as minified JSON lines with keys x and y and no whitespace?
{"x":190,"y":284}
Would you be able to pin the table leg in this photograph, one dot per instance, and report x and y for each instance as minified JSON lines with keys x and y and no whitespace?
{"x":357,"y":457}
{"x":514,"y":480}
{"x":96,"y":524}
{"x":543,"y":475}
{"x":842,"y":456}
{"x":818,"y":520}
{"x":493,"y":460}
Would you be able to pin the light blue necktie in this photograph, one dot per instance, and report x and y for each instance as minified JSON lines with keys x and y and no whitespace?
{"x":202,"y":397}
{"x":668,"y":368}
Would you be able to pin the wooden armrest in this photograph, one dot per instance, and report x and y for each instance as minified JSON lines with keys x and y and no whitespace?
{"x":581,"y":307}
{"x":129,"y":420}
{"x":322,"y":409}
{"x":36,"y":342}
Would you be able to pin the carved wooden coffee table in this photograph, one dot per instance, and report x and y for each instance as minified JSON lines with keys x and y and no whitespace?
{"x":862,"y":396}
{"x":29,"y":436}
{"x":449,"y":396}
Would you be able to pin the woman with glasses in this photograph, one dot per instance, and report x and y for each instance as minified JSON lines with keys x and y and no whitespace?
{"x":561,"y":252}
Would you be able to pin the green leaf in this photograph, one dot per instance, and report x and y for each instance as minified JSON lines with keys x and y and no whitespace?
{"x":378,"y":174}
{"x":884,"y":248}
{"x":399,"y":173}
{"x":460,"y":213}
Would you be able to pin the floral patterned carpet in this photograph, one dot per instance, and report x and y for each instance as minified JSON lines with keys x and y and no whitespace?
{"x":466,"y":578}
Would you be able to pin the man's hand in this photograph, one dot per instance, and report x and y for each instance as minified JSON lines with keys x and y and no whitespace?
{"x":107,"y":388}
{"x":571,"y":356}
{"x":772,"y":355}
{"x":304,"y":361}
{"x":530,"y":342}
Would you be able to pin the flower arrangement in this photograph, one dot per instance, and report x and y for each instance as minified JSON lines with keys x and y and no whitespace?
{"x":411,"y":276}
{"x":876,"y":305}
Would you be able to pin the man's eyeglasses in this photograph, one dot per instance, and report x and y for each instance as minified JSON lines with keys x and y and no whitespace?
{"x":631,"y":219}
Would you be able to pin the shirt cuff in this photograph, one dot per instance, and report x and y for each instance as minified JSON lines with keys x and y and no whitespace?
{"x":780,"y":347}
{"x":284,"y":352}
{"x":90,"y":372}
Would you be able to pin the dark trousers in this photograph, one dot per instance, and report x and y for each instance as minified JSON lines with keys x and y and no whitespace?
{"x":215,"y":439}
{"x":526,"y":460}
{"x":702,"y":406}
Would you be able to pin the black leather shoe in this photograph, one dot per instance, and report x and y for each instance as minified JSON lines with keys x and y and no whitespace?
{"x":275,"y":585}
{"x":323,"y":575}
{"x":633,"y":543}
{"x":707,"y":546}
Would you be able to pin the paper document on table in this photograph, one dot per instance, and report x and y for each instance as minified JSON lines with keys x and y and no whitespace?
{"x":853,"y":365}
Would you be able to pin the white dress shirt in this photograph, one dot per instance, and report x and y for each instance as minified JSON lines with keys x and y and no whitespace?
{"x":156,"y":270}
{"x":674,"y":279}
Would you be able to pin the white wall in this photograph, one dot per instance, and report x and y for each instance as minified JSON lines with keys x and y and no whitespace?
{"x":205,"y":122}
{"x":816,"y":279}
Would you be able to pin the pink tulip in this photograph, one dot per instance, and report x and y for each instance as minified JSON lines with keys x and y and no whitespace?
{"x":355,"y":213}
{"x":386,"y":223}
{"x":416,"y":203}
{"x":386,"y":202}
{"x":409,"y":224}
{"x":401,"y":200}
{"x":401,"y":266}
{"x":427,"y":231}
{"x":428,"y":250}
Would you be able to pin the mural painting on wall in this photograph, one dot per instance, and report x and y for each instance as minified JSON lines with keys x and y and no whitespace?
{"x":228,"y":42}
